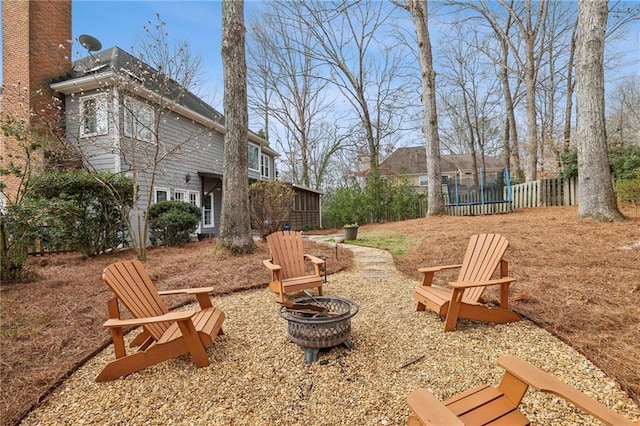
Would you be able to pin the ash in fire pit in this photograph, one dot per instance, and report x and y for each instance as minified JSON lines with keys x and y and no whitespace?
{"x":319,"y":322}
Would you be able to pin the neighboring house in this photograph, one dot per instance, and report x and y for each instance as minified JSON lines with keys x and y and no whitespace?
{"x":113,"y":109}
{"x":411,"y":163}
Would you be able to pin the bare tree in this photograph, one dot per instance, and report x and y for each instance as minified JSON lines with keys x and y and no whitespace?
{"x":531,"y":28}
{"x":623,"y":120}
{"x":470,"y":94}
{"x":235,"y":222}
{"x":298,"y":102}
{"x":553,"y":82}
{"x":364,"y":68}
{"x":596,"y":199}
{"x":419,"y":13}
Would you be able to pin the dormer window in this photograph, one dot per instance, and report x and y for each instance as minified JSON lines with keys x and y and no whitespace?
{"x":93,"y":110}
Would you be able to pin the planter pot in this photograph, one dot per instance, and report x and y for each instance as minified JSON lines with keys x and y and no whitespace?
{"x":350,"y":233}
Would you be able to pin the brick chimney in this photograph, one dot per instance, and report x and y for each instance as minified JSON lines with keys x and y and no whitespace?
{"x":36,"y":48}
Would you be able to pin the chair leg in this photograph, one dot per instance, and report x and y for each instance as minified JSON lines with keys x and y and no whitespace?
{"x":454,"y":309}
{"x":193,"y":343}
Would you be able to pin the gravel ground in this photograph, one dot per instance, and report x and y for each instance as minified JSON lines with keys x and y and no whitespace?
{"x":258,"y":377}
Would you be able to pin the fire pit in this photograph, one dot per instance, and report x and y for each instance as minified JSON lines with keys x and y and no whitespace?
{"x":325,"y":325}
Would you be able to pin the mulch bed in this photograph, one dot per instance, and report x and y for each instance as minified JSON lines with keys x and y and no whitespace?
{"x":578,"y":279}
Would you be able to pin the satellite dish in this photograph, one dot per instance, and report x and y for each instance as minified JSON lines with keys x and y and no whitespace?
{"x":90,"y":43}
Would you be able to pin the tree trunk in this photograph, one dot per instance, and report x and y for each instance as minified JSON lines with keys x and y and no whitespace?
{"x":531,"y":171}
{"x":569,"y":96}
{"x":511,"y":146}
{"x":419,"y":12}
{"x":235,"y":223}
{"x":596,"y":199}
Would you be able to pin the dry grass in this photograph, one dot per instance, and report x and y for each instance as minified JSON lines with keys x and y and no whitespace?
{"x":578,"y":279}
{"x":574,"y":278}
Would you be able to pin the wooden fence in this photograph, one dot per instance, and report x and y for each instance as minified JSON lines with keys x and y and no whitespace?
{"x":544,"y":192}
{"x":479,"y":209}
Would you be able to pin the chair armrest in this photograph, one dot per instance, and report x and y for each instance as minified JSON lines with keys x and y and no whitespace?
{"x":314,"y":259}
{"x":273,"y":267}
{"x":430,"y":410}
{"x":438,"y":268}
{"x":171,"y":316}
{"x":469,"y":284}
{"x":195,"y":290}
{"x":545,"y":382}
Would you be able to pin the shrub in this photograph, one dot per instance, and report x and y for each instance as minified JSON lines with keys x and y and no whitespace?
{"x":20,"y":226}
{"x":85,"y":216}
{"x":628,"y":190}
{"x":381,"y":200}
{"x":269,"y":206}
{"x":172,"y":222}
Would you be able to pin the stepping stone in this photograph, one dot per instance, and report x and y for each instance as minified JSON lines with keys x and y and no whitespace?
{"x":375,"y":268}
{"x":373,"y":275}
{"x":373,"y":260}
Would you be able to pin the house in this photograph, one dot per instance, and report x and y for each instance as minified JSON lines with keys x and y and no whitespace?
{"x":128,"y":117}
{"x":109,"y":101}
{"x":411,"y":162}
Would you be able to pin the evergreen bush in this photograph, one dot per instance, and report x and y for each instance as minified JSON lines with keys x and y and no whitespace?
{"x":172,"y":222}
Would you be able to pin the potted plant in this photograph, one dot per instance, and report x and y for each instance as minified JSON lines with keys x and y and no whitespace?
{"x":350,"y":231}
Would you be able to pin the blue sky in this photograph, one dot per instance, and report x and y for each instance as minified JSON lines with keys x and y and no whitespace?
{"x":120,"y":23}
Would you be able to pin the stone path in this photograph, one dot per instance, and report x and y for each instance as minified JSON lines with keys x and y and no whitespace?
{"x":369,"y":262}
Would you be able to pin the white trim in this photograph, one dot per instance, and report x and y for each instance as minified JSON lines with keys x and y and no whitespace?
{"x":157,"y":189}
{"x":184,"y":193}
{"x":101,"y":115}
{"x":265,"y":158}
{"x":257,"y":168}
{"x":213,"y":220}
{"x":83,"y":84}
{"x":91,"y":82}
{"x":134,"y":125}
{"x":116,"y":134}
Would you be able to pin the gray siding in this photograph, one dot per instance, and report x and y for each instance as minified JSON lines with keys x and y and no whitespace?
{"x":99,"y":151}
{"x":188,"y":148}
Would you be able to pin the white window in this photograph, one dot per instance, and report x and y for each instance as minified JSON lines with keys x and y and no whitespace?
{"x":423,"y":181}
{"x":179,"y":195}
{"x":207,"y":211}
{"x":265,"y":165}
{"x":194,"y":198}
{"x":93,"y":110}
{"x":191,"y":197}
{"x":160,"y":194}
{"x":138,"y":120}
{"x":253,"y":157}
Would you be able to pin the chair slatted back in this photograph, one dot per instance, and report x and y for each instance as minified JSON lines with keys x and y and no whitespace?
{"x":133,"y":286}
{"x":286,"y":250}
{"x":483,"y":256}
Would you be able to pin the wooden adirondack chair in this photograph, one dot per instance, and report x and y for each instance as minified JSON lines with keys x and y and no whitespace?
{"x":288,"y":264}
{"x":486,"y":405}
{"x":462,"y":300}
{"x":165,"y":334}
